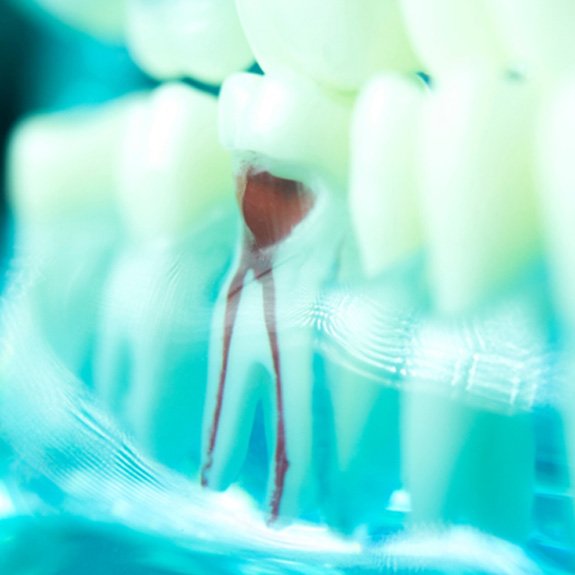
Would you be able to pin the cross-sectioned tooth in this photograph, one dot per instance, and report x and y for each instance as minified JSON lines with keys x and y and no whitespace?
{"x":62,"y":186}
{"x":203,"y":39}
{"x":337,"y":43}
{"x":448,"y":34}
{"x":482,"y":232}
{"x":538,"y":34}
{"x":152,"y":358}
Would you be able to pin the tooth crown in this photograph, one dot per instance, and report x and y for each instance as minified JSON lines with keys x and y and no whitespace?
{"x":287,"y":119}
{"x":66,"y":164}
{"x":338,"y":43}
{"x":173,"y":168}
{"x":171,"y":39}
{"x":450,"y":34}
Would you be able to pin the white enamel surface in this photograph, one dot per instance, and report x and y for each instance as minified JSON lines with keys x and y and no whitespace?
{"x":336,"y":42}
{"x":383,"y":183}
{"x":67,"y":163}
{"x":450,"y":34}
{"x":173,"y":167}
{"x":288,"y":119}
{"x":103,"y":18}
{"x":171,"y":39}
{"x":477,"y":187}
{"x":538,"y":34}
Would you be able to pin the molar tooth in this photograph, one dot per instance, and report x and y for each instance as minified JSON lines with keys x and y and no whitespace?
{"x":538,"y":34}
{"x":335,"y":42}
{"x":449,"y":34}
{"x":480,"y":216}
{"x":176,"y":38}
{"x":288,"y":119}
{"x":152,"y":358}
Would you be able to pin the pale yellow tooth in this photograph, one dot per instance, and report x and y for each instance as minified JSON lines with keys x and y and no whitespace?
{"x":450,"y":34}
{"x":176,"y":38}
{"x":65,"y":164}
{"x":103,"y":18}
{"x":338,"y":43}
{"x":173,"y":167}
{"x":538,"y":34}
{"x":290,"y":120}
{"x":383,"y":184}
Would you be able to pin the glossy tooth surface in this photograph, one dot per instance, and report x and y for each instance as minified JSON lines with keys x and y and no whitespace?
{"x":173,"y":168}
{"x":152,"y":357}
{"x":538,"y":34}
{"x":203,"y":39}
{"x":482,"y":233}
{"x":65,"y":164}
{"x":288,"y":119}
{"x":337,"y":43}
{"x":449,"y":34}
{"x":383,"y":185}
{"x":103,"y":18}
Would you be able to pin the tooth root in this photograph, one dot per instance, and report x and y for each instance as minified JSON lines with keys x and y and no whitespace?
{"x":173,"y":169}
{"x":482,"y":232}
{"x":538,"y":34}
{"x":287,"y":119}
{"x":448,"y":34}
{"x":201,"y":39}
{"x":337,"y":43}
{"x":383,"y":195}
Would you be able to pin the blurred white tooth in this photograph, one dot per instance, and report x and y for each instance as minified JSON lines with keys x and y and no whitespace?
{"x":203,"y":39}
{"x":383,"y":192}
{"x":62,"y":182}
{"x":152,"y":361}
{"x":450,"y":34}
{"x":173,"y":167}
{"x":103,"y":18}
{"x":336,"y":42}
{"x":288,"y":119}
{"x":538,"y":34}
{"x":480,"y":217}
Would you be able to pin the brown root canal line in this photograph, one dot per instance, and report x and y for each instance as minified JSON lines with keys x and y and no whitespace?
{"x":271,"y":208}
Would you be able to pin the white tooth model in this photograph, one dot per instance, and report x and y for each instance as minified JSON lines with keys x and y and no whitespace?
{"x":288,"y":187}
{"x":338,"y":43}
{"x":102,"y":18}
{"x":62,"y":181}
{"x":172,"y":39}
{"x":480,"y":220}
{"x":450,"y":34}
{"x":538,"y":35}
{"x":174,"y":179}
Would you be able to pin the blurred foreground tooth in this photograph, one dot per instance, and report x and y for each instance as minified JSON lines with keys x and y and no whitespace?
{"x":62,"y":183}
{"x":288,"y":119}
{"x":450,"y":34}
{"x":336,"y":42}
{"x":538,"y":34}
{"x":152,"y":361}
{"x":482,"y":234}
{"x":103,"y":18}
{"x":172,"y":39}
{"x":262,"y":339}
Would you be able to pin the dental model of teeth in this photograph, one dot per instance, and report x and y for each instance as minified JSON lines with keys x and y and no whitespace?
{"x":349,"y":173}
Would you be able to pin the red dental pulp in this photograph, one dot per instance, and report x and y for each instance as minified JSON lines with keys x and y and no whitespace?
{"x":271,"y":208}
